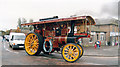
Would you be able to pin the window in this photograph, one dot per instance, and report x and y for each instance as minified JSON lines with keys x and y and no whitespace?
{"x":105,"y":37}
{"x":75,"y":29}
{"x":112,"y":29}
{"x":91,"y":39}
{"x":80,"y":41}
{"x":19,"y":37}
{"x":102,"y":37}
{"x":97,"y":37}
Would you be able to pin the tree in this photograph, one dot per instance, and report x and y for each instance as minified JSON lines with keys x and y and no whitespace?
{"x":2,"y":32}
{"x":24,"y":20}
{"x":19,"y":23}
{"x":31,"y":27}
{"x":31,"y":21}
{"x":18,"y":30}
{"x":7,"y":32}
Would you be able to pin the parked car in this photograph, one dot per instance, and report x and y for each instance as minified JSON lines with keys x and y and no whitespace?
{"x":16,"y":40}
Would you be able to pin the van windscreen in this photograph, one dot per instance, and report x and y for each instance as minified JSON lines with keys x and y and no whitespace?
{"x":19,"y":37}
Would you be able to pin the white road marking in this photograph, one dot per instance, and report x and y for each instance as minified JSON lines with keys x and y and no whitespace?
{"x":93,"y":64}
{"x":10,"y":50}
{"x":107,"y":49}
{"x":102,"y":56}
{"x":106,"y":57}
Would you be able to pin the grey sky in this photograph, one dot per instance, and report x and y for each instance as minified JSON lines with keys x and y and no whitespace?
{"x":11,"y":10}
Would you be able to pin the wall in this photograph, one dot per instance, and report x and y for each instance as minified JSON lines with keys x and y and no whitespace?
{"x":108,"y":28}
{"x":86,"y":41}
{"x":105,"y":28}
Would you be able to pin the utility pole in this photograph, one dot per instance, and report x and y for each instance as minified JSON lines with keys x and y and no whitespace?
{"x":118,"y":32}
{"x":118,"y":23}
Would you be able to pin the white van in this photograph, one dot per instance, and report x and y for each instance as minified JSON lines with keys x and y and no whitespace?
{"x":16,"y":40}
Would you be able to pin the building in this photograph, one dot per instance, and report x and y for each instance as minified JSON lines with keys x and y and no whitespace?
{"x":96,"y":35}
{"x":105,"y":30}
{"x":110,"y":26}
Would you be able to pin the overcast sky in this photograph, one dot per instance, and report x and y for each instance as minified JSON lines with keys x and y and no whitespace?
{"x":11,"y":10}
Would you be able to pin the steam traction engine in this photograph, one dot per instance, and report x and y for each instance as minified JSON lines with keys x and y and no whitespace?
{"x":51,"y":34}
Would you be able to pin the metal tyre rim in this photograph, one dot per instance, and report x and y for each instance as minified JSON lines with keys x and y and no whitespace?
{"x":81,"y":49}
{"x":71,"y":52}
{"x":31,"y":44}
{"x":50,"y":49}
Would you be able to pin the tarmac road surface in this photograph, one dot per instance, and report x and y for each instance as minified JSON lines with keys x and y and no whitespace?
{"x":20,"y":57}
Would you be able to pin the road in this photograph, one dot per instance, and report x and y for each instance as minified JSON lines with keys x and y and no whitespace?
{"x":19,"y":57}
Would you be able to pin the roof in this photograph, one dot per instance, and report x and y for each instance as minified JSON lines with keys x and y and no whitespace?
{"x":108,"y":21}
{"x":13,"y":33}
{"x":62,"y":20}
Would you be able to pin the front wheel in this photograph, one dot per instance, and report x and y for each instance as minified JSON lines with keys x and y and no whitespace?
{"x":71,"y":52}
{"x":13,"y":47}
{"x":81,"y":49}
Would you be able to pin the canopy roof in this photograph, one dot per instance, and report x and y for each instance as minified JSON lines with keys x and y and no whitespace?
{"x":89,"y":18}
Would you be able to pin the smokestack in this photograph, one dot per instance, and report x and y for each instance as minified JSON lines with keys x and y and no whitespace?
{"x":54,"y":17}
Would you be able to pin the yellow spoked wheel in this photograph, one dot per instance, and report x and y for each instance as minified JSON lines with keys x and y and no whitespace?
{"x":81,"y":49}
{"x":71,"y":52}
{"x":33,"y":44}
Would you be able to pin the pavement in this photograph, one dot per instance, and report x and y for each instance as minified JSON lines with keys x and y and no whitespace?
{"x":104,"y":51}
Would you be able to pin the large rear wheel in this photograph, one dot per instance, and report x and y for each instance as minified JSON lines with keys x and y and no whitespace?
{"x":33,"y":44}
{"x":71,"y":52}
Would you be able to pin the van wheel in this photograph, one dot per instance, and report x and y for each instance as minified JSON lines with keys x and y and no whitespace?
{"x":33,"y":44}
{"x":13,"y":48}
